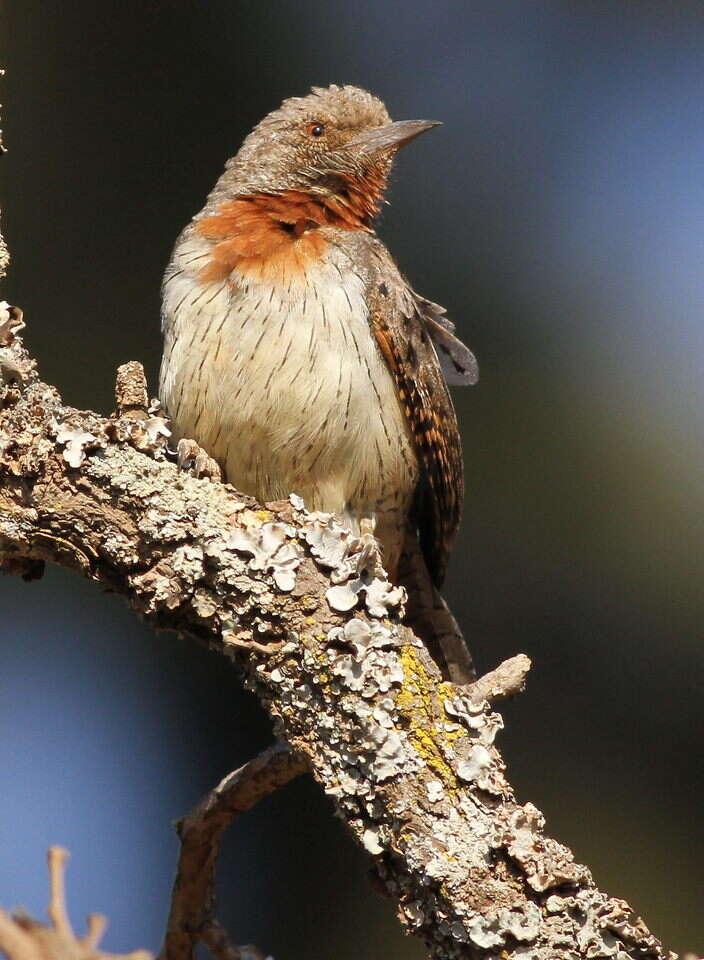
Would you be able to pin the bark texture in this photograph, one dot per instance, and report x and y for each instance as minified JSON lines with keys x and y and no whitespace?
{"x":410,"y":761}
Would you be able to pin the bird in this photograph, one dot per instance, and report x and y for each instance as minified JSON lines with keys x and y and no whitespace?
{"x":298,"y":359}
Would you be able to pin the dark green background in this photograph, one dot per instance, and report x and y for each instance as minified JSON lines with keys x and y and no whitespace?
{"x":559,"y":215}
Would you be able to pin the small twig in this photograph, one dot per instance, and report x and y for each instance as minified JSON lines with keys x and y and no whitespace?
{"x":11,"y":322}
{"x":96,"y":924}
{"x":22,"y":938}
{"x":266,"y":648}
{"x":56,"y":859}
{"x":192,"y":913}
{"x":506,"y":680}
{"x":131,"y":397}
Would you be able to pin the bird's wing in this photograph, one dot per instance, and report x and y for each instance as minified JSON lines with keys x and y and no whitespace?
{"x":458,"y":363}
{"x":411,"y":333}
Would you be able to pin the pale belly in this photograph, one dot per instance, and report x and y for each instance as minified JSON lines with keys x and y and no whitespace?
{"x":289,"y":393}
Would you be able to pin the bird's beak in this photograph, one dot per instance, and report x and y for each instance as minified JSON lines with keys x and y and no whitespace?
{"x":392,"y":136}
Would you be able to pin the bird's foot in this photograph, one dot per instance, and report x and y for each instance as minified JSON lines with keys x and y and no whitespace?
{"x":189,"y":456}
{"x":368,"y":553}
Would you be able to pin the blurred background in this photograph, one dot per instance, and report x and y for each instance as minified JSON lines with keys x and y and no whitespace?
{"x":559,"y":215}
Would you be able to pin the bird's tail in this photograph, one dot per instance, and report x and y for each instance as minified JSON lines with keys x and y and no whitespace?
{"x":429,"y":617}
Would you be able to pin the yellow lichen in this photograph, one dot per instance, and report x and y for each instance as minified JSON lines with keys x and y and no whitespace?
{"x":426,"y":747}
{"x":452,"y":735}
{"x":253,"y":519}
{"x":418,"y":704}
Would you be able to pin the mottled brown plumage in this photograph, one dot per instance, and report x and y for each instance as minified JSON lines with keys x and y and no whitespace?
{"x":298,"y":356}
{"x":407,"y":348}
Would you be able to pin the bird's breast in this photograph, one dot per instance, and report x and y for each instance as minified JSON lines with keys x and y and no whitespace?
{"x":277,"y":375}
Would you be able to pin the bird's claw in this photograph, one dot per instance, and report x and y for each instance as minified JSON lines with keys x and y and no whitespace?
{"x":367,"y":557}
{"x":189,"y":456}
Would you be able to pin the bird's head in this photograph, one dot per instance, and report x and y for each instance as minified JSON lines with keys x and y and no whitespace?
{"x":335,"y":145}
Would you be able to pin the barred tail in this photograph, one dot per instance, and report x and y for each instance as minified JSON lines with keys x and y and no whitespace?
{"x":429,"y":617}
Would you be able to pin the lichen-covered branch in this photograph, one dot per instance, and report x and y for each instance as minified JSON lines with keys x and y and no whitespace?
{"x":410,"y":761}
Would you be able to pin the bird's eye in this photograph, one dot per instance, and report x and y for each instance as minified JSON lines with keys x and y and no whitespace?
{"x":315,"y":129}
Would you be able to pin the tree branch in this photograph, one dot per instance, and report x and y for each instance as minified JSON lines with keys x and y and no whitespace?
{"x":410,"y":761}
{"x":192,"y":914}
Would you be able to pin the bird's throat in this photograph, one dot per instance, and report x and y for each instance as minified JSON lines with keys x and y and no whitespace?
{"x":267,"y":234}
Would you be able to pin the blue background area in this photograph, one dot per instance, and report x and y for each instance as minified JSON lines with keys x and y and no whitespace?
{"x":559,"y":215}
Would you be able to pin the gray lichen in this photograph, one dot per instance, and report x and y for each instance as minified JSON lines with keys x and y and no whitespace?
{"x":273,"y":550}
{"x":337,"y":549}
